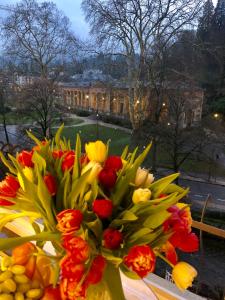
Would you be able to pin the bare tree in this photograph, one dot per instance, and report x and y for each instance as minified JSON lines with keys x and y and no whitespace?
{"x":40,"y":97}
{"x":131,"y":27}
{"x":179,"y":138}
{"x":4,"y":109}
{"x":39,"y":32}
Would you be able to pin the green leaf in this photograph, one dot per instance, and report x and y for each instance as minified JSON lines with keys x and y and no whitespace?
{"x":145,"y":239}
{"x":135,"y":236}
{"x":58,"y":135}
{"x":9,"y":217}
{"x":126,"y":217}
{"x":8,"y":164}
{"x":36,"y":140}
{"x":113,"y":281}
{"x":155,"y":220}
{"x":124,"y":153}
{"x":108,"y":254}
{"x":160,"y":240}
{"x":78,"y":188}
{"x":172,"y":188}
{"x":96,"y":227}
{"x":45,"y":199}
{"x":123,"y":183}
{"x":10,"y":243}
{"x":127,"y":272}
{"x":159,"y":186}
{"x":39,"y":161}
{"x":76,"y":167}
{"x":133,"y":154}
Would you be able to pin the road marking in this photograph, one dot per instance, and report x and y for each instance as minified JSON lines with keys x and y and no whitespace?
{"x":223,"y":200}
{"x":197,"y":195}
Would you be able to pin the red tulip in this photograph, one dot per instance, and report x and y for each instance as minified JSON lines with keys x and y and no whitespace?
{"x":68,"y":161}
{"x":102,"y":208}
{"x":25,"y":158}
{"x":51,"y":184}
{"x":113,"y":163}
{"x":112,"y":238}
{"x":8,"y":188}
{"x":107,"y":178}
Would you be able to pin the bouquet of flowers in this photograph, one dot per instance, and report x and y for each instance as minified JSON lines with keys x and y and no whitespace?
{"x":102,"y":213}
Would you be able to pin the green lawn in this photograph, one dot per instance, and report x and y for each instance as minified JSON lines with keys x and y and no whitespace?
{"x":119,"y":139}
{"x":14,"y":118}
{"x":67,"y":121}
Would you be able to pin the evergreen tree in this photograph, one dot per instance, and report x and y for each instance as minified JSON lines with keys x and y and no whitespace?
{"x":219,"y":16}
{"x":205,"y":22}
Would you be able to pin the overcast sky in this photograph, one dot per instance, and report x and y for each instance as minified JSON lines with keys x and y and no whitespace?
{"x":72,"y":10}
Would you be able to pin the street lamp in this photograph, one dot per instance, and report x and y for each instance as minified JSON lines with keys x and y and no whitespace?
{"x":216,"y":115}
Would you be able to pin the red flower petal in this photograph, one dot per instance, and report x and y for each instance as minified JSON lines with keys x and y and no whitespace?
{"x":107,"y":178}
{"x":112,"y":238}
{"x":185,"y":241}
{"x":113,"y":163}
{"x":102,"y":208}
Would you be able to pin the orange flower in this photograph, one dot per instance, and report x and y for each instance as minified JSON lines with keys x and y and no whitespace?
{"x":69,"y":220}
{"x":57,"y":154}
{"x":170,"y":252}
{"x":72,"y":290}
{"x":141,"y":259}
{"x":52,"y":293}
{"x":24,"y":255}
{"x":77,"y":247}
{"x":70,"y":269}
{"x":21,"y":254}
{"x":38,"y":148}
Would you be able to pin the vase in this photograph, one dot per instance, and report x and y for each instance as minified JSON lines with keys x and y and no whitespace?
{"x":116,"y":286}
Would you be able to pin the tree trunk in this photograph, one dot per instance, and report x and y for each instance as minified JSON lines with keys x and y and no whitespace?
{"x":154,"y":154}
{"x":5,"y":129}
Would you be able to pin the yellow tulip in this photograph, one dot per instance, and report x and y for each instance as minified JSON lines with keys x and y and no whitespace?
{"x":143,"y":178}
{"x":183,"y":274}
{"x":96,"y":151}
{"x":95,"y":168}
{"x":141,"y":195}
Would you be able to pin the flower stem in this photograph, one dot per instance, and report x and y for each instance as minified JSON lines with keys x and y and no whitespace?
{"x":164,"y":258}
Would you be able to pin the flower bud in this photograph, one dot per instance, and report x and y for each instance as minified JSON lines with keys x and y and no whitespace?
{"x":141,"y":195}
{"x":102,"y":208}
{"x":96,"y":151}
{"x":183,"y":274}
{"x":51,"y":184}
{"x":143,"y":178}
{"x":107,"y":178}
{"x":113,"y":238}
{"x":25,"y":159}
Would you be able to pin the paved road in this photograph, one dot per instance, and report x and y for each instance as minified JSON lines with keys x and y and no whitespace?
{"x":200,"y":190}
